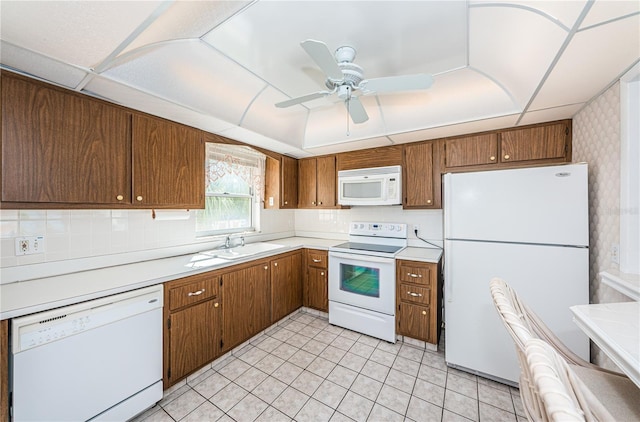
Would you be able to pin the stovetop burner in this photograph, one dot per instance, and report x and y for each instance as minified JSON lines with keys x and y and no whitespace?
{"x":368,"y":247}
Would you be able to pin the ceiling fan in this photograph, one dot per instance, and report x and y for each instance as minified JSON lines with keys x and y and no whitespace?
{"x":345,"y":77}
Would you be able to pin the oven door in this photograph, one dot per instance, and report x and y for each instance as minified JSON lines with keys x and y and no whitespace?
{"x":362,"y":280}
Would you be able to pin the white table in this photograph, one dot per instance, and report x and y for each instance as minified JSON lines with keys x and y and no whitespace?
{"x":615,"y":328}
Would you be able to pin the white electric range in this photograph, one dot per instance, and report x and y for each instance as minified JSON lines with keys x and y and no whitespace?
{"x":362,"y":274}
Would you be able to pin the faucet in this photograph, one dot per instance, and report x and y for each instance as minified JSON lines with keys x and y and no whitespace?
{"x":227,"y":242}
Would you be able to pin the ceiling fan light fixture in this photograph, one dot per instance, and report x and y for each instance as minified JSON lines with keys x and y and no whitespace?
{"x":345,"y":54}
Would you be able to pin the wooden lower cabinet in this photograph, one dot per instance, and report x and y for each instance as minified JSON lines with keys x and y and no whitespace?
{"x":418,"y":300}
{"x":286,"y":284}
{"x":246,"y":307}
{"x":192,"y":329}
{"x":316,"y":290}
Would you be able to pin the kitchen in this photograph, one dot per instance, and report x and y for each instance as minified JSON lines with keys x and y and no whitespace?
{"x":79,"y":239}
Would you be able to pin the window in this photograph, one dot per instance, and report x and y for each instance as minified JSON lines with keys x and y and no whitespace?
{"x":234,"y":187}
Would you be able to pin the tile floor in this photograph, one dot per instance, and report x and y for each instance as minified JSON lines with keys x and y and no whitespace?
{"x":305,"y":369}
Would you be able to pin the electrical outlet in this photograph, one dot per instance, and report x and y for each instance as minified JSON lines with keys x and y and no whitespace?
{"x":615,"y":253}
{"x":29,"y":245}
{"x":416,"y":227}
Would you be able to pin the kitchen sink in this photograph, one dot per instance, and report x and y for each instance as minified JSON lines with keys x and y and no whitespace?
{"x":238,"y":252}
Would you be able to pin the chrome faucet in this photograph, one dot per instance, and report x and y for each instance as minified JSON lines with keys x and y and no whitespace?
{"x":227,"y":242}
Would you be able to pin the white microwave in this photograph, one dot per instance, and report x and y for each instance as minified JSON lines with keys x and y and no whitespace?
{"x":370,"y":186}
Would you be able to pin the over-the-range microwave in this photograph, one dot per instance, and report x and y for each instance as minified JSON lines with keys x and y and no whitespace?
{"x":370,"y":186}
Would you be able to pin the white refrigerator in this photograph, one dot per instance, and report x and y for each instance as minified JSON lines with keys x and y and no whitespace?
{"x":529,"y":227}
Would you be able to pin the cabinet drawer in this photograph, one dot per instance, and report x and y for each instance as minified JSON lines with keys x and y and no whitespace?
{"x":195,"y":292}
{"x":420,"y":274}
{"x":414,"y":294}
{"x":317,"y":258}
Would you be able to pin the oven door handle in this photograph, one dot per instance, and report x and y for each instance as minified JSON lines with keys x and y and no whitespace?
{"x":358,"y":257}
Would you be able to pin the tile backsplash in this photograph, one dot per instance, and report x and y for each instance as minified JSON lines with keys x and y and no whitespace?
{"x":79,"y":234}
{"x":74,"y":234}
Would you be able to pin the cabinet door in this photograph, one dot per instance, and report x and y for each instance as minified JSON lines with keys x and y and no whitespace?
{"x":418,"y":186}
{"x":471,"y":150}
{"x":246,"y":303}
{"x":288,"y":182}
{"x":61,"y":147}
{"x":194,"y":338}
{"x":286,"y":285}
{"x":414,"y":321}
{"x":307,"y":183}
{"x":318,"y":293}
{"x":326,"y":181}
{"x":168,"y":164}
{"x":535,"y":143}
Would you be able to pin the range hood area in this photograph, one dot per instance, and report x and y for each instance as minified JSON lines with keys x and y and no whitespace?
{"x":221,"y":66}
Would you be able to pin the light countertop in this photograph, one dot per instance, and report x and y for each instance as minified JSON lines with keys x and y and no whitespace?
{"x":39,"y":294}
{"x":421,"y":254}
{"x":615,"y":328}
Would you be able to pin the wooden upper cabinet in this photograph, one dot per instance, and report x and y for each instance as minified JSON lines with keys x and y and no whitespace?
{"x":62,"y":147}
{"x":419,"y":177}
{"x":307,"y":182}
{"x":168,"y":164}
{"x":542,"y":142}
{"x":326,"y":181}
{"x":317,"y":182}
{"x":471,"y":150}
{"x":371,"y":157}
{"x":288,"y":182}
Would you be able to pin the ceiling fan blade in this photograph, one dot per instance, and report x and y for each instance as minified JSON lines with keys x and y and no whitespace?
{"x":302,"y":99}
{"x":320,"y":53}
{"x":356,"y":110}
{"x":396,"y":83}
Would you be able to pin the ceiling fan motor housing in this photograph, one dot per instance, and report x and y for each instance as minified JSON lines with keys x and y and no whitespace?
{"x":352,"y":75}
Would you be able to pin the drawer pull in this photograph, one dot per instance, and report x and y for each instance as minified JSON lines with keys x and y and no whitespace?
{"x":414,"y":294}
{"x":196,"y":293}
{"x":317,"y":260}
{"x":414,"y":275}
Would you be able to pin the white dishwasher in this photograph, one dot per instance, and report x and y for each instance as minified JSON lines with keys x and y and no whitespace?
{"x":97,"y":360}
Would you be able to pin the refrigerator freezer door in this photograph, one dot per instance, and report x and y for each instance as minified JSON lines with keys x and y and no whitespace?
{"x":547,"y":278}
{"x":546,"y":205}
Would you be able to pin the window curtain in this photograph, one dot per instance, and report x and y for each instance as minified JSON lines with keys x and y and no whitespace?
{"x":239,"y":160}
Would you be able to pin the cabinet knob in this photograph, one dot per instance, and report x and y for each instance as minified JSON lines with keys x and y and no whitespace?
{"x":492,"y":158}
{"x":139,"y":198}
{"x":275,"y":264}
{"x":286,"y":202}
{"x":313,"y":202}
{"x":119,"y":197}
{"x":215,"y":305}
{"x":322,"y":273}
{"x":428,"y":201}
{"x":320,"y":203}
{"x":424,"y":312}
{"x":506,"y":157}
{"x":266,"y":267}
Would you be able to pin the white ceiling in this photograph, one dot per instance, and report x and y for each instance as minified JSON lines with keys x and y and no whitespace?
{"x":222,"y":65}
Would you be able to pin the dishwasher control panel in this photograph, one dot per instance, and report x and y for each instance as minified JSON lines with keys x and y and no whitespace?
{"x":45,"y":327}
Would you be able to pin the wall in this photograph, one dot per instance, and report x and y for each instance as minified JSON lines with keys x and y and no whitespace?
{"x":596,"y":140}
